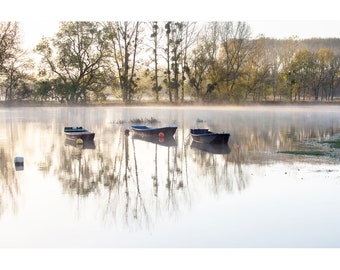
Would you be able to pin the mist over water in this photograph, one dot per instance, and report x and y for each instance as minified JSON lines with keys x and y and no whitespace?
{"x":121,"y":191}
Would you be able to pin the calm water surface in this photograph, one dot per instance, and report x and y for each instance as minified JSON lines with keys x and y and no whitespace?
{"x":126,"y":192}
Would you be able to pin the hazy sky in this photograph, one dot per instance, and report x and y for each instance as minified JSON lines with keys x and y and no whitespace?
{"x":277,"y":19}
{"x":34,"y":30}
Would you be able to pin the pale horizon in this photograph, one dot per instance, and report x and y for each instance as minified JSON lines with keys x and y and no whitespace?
{"x":33,"y":31}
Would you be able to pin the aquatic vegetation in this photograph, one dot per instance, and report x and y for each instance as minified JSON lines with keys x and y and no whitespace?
{"x":323,"y":148}
{"x":333,"y":143}
{"x":150,"y":120}
{"x":305,"y":152}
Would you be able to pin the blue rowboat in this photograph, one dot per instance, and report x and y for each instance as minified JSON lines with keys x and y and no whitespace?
{"x":150,"y":131}
{"x":75,"y":133}
{"x":201,"y":135}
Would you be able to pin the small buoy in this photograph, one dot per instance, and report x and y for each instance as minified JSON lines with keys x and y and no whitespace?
{"x":127,"y":132}
{"x":79,"y":141}
{"x":161,"y":135}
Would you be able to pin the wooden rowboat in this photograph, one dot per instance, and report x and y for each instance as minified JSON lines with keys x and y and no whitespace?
{"x":150,"y":131}
{"x":205,"y":136}
{"x":75,"y":133}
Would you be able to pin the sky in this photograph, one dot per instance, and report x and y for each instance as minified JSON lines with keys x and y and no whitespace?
{"x":275,"y":19}
{"x":34,"y":30}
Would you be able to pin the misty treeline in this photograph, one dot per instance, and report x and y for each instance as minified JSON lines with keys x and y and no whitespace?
{"x":176,"y":62}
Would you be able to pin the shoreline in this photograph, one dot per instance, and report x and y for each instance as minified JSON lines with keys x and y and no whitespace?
{"x":6,"y":104}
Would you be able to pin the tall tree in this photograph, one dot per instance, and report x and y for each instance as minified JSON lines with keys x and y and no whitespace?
{"x":167,"y":80}
{"x":285,"y":54}
{"x":125,"y":40}
{"x":16,"y":82}
{"x":156,"y":36}
{"x":325,"y":64}
{"x":256,"y":71}
{"x":74,"y":58}
{"x":174,"y":37}
{"x":9,"y":41}
{"x":334,"y":75}
{"x":202,"y":60}
{"x":189,"y":38}
{"x":235,"y":48}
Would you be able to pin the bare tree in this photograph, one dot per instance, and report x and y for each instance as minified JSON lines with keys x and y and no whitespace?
{"x":174,"y":38}
{"x":156,"y":36}
{"x":189,"y":38}
{"x":13,"y":63}
{"x":125,"y":38}
{"x":236,"y":47}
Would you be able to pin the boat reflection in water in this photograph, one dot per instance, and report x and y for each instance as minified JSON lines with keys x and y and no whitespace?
{"x":84,"y":145}
{"x":165,"y":141}
{"x":212,"y":148}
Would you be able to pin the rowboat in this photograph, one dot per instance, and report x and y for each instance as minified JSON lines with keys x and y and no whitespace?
{"x":75,"y":133}
{"x":150,"y":131}
{"x":202,"y":135}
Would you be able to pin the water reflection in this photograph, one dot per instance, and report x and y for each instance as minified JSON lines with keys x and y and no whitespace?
{"x":85,"y":145}
{"x":134,"y":182}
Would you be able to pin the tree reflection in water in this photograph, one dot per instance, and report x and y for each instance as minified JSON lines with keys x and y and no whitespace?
{"x":139,"y":180}
{"x":135,"y":182}
{"x":9,"y":186}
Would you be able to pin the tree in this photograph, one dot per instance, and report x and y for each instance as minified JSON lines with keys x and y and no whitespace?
{"x":125,"y":40}
{"x":15,"y":82}
{"x":333,"y":76}
{"x":201,"y":61}
{"x":256,"y":71}
{"x":189,"y":38}
{"x":155,"y":35}
{"x":285,"y":53}
{"x":326,"y":72}
{"x":174,"y":37}
{"x":235,"y":49}
{"x":9,"y":42}
{"x":74,"y":59}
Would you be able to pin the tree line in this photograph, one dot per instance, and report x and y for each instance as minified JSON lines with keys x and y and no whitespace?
{"x":176,"y":62}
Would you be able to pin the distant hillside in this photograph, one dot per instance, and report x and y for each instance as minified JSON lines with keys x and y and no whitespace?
{"x":313,"y":44}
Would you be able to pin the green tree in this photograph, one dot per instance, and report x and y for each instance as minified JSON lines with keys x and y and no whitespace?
{"x":174,"y":37}
{"x":327,"y":69}
{"x":189,"y":38}
{"x":125,"y":42}
{"x":201,"y":62}
{"x":333,"y":76}
{"x":285,"y":81}
{"x":156,"y":37}
{"x":236,"y":46}
{"x":15,"y":82}
{"x":75,"y":60}
{"x":256,"y":71}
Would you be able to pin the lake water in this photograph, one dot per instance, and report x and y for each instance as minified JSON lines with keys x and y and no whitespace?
{"x":125,"y":192}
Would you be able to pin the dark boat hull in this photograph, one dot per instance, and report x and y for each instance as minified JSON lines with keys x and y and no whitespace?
{"x":74,"y":133}
{"x":208,"y":137}
{"x":148,"y":131}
